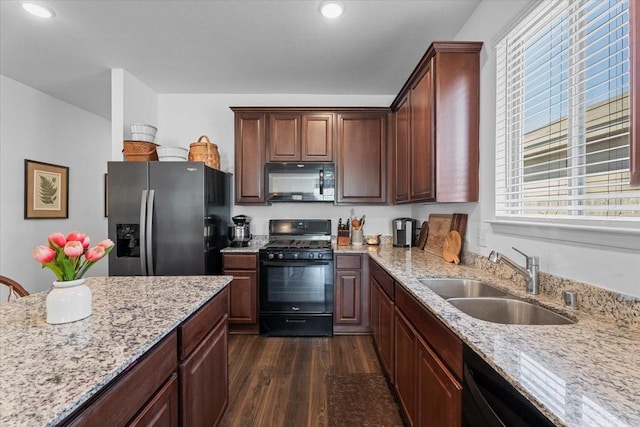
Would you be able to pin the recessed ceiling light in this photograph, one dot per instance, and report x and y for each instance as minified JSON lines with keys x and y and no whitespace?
{"x":331,"y":9}
{"x":38,"y":10}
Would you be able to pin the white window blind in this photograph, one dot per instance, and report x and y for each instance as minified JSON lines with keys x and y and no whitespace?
{"x":562,"y":115}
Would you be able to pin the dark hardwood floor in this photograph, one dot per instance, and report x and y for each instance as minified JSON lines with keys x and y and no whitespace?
{"x":285,"y":381}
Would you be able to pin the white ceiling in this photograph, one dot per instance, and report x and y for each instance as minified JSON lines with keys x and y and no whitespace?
{"x":188,"y":46}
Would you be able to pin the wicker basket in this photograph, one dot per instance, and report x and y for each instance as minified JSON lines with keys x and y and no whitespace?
{"x":139,"y":151}
{"x":205,"y":151}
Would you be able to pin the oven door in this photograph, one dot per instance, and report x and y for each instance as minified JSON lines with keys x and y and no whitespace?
{"x":296,"y":286}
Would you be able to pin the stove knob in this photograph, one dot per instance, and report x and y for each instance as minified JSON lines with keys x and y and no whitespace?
{"x":311,"y":254}
{"x":320,"y":255}
{"x":270,"y":255}
{"x":295,"y":255}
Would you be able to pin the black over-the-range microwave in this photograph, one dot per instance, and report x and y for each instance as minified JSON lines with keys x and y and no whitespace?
{"x":300,"y":182}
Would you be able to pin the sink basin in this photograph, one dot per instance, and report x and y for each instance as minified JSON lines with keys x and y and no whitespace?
{"x":461,"y":288}
{"x":508,"y":311}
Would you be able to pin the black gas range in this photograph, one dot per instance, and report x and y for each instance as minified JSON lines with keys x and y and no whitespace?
{"x":296,"y":279}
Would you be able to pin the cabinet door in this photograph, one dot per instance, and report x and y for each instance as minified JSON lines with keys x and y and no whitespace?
{"x":361,"y":158}
{"x":317,"y":138}
{"x":162,"y":409}
{"x":249,"y":157}
{"x":348,"y":307}
{"x":204,"y":378}
{"x":374,"y":291}
{"x":243,"y":297}
{"x":402,"y":145}
{"x":422,"y":152}
{"x":385,"y":309}
{"x":405,"y":354}
{"x":284,"y":137}
{"x":439,"y":394}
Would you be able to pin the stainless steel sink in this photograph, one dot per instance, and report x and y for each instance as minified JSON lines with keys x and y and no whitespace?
{"x":508,"y":311}
{"x":457,"y":288}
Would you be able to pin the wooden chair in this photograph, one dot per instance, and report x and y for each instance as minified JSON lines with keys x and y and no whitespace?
{"x":15,"y":289}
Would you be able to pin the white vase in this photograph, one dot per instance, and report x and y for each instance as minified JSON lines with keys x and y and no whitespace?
{"x":68,"y":301}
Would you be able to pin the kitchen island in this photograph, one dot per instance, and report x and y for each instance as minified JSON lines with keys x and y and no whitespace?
{"x":50,"y":371}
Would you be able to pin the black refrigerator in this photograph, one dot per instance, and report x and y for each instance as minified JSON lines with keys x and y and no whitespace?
{"x":167,"y":218}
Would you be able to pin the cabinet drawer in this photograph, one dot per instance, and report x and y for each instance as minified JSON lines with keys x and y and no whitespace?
{"x":194,"y":329}
{"x":444,"y":342}
{"x":351,"y":262}
{"x":122,"y":400}
{"x":239,"y":261}
{"x":382,"y":277}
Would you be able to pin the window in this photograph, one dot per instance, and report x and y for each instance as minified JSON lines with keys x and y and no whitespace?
{"x":563,"y":114}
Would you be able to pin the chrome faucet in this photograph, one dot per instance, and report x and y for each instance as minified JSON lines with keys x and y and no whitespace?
{"x":530,"y":273}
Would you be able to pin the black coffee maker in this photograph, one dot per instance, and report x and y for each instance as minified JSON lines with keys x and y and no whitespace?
{"x":404,"y":232}
{"x":240,"y":233}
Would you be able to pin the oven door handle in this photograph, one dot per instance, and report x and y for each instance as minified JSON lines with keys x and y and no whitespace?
{"x":293,"y":263}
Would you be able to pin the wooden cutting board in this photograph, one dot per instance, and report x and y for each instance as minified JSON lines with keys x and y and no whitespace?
{"x":424,"y":232}
{"x":451,"y":247}
{"x":439,"y":227}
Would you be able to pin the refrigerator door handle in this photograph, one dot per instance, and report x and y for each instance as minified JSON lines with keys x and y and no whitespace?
{"x":143,"y":233}
{"x":149,"y":225}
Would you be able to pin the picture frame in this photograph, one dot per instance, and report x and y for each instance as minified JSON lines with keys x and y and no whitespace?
{"x":46,"y":190}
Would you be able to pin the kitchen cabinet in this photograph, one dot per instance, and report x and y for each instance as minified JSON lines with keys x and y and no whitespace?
{"x":428,"y":365}
{"x":351,"y":299}
{"x":162,"y":410}
{"x":437,"y":127}
{"x":203,"y":371}
{"x":250,"y":147}
{"x":361,"y":162}
{"x":300,"y":137}
{"x":382,"y":306}
{"x":243,"y":291}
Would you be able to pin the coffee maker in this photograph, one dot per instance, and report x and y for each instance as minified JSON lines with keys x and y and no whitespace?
{"x":240,"y":233}
{"x":404,"y":232}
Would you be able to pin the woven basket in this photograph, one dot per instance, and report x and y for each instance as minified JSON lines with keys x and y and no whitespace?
{"x":205,"y":151}
{"x":139,"y":151}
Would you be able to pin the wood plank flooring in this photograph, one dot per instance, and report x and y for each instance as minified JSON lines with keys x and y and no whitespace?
{"x":283,"y":381}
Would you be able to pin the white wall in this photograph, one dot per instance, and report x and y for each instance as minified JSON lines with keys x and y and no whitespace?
{"x":36,"y":126}
{"x":183,"y":118}
{"x":611,"y":268}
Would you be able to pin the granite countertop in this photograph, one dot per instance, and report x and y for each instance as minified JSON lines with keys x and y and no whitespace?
{"x":50,"y":370}
{"x":585,"y":374}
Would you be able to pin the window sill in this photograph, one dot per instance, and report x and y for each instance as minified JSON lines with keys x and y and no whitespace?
{"x":618,"y":236}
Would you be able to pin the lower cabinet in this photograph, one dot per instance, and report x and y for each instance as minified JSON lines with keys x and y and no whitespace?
{"x":351,"y":296}
{"x":421,"y":356}
{"x":243,"y":296}
{"x":182,"y":380}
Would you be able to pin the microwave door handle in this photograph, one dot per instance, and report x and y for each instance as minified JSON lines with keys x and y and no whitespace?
{"x":321,"y":181}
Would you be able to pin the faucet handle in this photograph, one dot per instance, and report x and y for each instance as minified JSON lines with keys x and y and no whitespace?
{"x":531,"y":260}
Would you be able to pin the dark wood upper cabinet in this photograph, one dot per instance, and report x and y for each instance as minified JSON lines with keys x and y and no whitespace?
{"x":317,"y":137}
{"x":284,"y":137}
{"x":442,"y":96}
{"x":250,"y":148}
{"x":634,"y":44}
{"x":361,"y":157}
{"x":401,"y":154}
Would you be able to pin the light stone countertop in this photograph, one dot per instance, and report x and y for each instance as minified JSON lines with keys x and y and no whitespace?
{"x":585,"y":374}
{"x":47,"y":371}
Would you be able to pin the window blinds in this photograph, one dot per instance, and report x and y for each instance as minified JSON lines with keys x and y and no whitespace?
{"x":562,"y":114}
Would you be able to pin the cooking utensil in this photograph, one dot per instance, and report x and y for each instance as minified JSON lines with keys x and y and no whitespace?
{"x":451,"y":247}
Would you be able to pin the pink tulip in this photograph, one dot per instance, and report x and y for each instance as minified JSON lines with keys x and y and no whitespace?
{"x":73,"y":249}
{"x":58,"y":239}
{"x":85,"y":242}
{"x":94,"y":254}
{"x":106,"y":243}
{"x":76,"y":236}
{"x":44,"y":254}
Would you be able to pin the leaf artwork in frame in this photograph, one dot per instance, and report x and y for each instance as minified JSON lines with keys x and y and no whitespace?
{"x":46,"y":190}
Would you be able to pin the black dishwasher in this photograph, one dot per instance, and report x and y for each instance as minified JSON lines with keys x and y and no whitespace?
{"x":488,"y":400}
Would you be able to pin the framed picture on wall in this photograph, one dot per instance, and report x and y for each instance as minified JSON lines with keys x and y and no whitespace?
{"x":46,"y":190}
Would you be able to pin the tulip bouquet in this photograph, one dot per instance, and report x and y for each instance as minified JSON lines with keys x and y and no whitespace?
{"x":70,"y":257}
